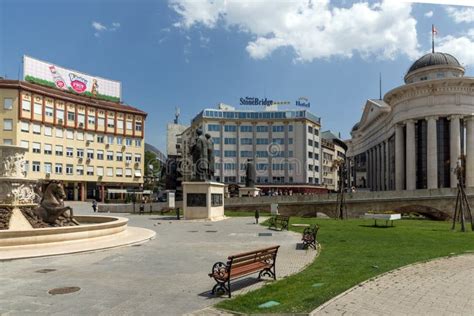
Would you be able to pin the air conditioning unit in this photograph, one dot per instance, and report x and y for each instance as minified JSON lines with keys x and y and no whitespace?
{"x":107,"y":145}
{"x":81,"y":124}
{"x":123,"y":147}
{"x":137,"y":165}
{"x":88,"y":142}
{"x":60,"y":121}
{"x":80,"y":159}
{"x":127,"y":163}
{"x":88,"y":160}
{"x":48,"y":174}
{"x":100,"y":177}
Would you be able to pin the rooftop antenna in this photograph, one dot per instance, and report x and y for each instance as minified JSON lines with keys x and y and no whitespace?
{"x":380,"y":86}
{"x":176,"y":115}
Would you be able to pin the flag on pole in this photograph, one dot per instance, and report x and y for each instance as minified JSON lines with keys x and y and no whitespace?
{"x":433,"y":32}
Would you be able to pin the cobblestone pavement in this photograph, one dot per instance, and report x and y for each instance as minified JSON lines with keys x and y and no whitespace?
{"x":165,"y":276}
{"x":439,"y":287}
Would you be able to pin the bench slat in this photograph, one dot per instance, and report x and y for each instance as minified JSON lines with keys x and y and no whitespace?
{"x":252,"y":252}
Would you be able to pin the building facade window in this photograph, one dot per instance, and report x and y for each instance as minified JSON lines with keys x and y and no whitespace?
{"x":58,"y":150}
{"x":36,"y":166}
{"x":48,"y":149}
{"x":262,"y":129}
{"x":25,"y":127}
{"x":8,"y":103}
{"x":59,"y":132}
{"x":230,"y":128}
{"x":58,"y":168}
{"x":110,"y":155}
{"x":69,"y":169}
{"x":100,"y":155}
{"x":37,"y":148}
{"x":48,"y":131}
{"x":278,"y":128}
{"x":48,"y":167}
{"x":246,"y":141}
{"x":80,"y":170}
{"x":230,"y":153}
{"x":230,"y":141}
{"x":48,"y":111}
{"x":90,"y":170}
{"x":69,"y":152}
{"x":26,"y":105}
{"x":246,"y":128}
{"x":7,"y":124}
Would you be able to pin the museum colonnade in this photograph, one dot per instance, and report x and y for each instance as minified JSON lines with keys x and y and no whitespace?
{"x":422,"y":154}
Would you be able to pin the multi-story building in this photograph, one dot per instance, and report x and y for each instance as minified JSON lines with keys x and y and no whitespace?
{"x":284,"y":145}
{"x":333,"y":158}
{"x":417,"y":134}
{"x":94,"y":147}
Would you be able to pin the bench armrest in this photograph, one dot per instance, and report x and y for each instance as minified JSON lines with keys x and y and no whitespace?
{"x":219,"y":271}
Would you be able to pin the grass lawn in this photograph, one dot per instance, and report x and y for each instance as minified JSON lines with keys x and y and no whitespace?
{"x":353,"y":251}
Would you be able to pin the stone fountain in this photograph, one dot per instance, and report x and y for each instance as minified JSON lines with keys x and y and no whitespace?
{"x":33,"y":226}
{"x":16,"y":192}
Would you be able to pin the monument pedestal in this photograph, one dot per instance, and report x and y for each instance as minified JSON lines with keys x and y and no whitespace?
{"x":203,"y":200}
{"x":253,"y":192}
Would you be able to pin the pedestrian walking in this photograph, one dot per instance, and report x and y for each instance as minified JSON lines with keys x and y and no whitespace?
{"x":257,"y":215}
{"x":94,"y":205}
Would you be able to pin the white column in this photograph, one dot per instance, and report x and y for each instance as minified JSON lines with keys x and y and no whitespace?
{"x":382,"y":166}
{"x":411,"y":158}
{"x":377,"y":168}
{"x":455,"y":147}
{"x":469,"y":151}
{"x":432,"y":153}
{"x":387,"y":165}
{"x":399,"y":158}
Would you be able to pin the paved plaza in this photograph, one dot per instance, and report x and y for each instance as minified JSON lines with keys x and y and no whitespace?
{"x":440,"y":287}
{"x":165,"y":276}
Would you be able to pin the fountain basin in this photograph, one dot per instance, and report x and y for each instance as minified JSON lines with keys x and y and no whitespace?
{"x":94,"y":233}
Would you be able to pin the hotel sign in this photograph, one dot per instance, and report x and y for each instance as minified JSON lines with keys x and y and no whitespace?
{"x":264,"y":102}
{"x":303,"y":101}
{"x":51,"y":75}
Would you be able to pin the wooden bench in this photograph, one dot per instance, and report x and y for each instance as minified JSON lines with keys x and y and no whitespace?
{"x":279,"y":220}
{"x":240,"y":265}
{"x":309,"y":236}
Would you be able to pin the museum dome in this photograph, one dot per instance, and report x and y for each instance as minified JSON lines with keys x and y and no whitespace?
{"x":434,"y":59}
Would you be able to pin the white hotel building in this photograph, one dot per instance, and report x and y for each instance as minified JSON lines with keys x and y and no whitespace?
{"x":284,"y":144}
{"x":414,"y":137}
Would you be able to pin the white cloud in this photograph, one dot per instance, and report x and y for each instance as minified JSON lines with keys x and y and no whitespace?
{"x":429,"y":14}
{"x":460,"y":15}
{"x":460,"y":47}
{"x":312,"y":28}
{"x":115,"y":26}
{"x":99,"y":26}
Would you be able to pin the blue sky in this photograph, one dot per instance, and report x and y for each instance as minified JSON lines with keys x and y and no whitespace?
{"x":193,"y":54}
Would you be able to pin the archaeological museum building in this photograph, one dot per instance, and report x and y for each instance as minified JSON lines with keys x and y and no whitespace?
{"x":414,"y":137}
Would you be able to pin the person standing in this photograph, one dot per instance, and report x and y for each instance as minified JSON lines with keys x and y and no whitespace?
{"x":257,"y":215}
